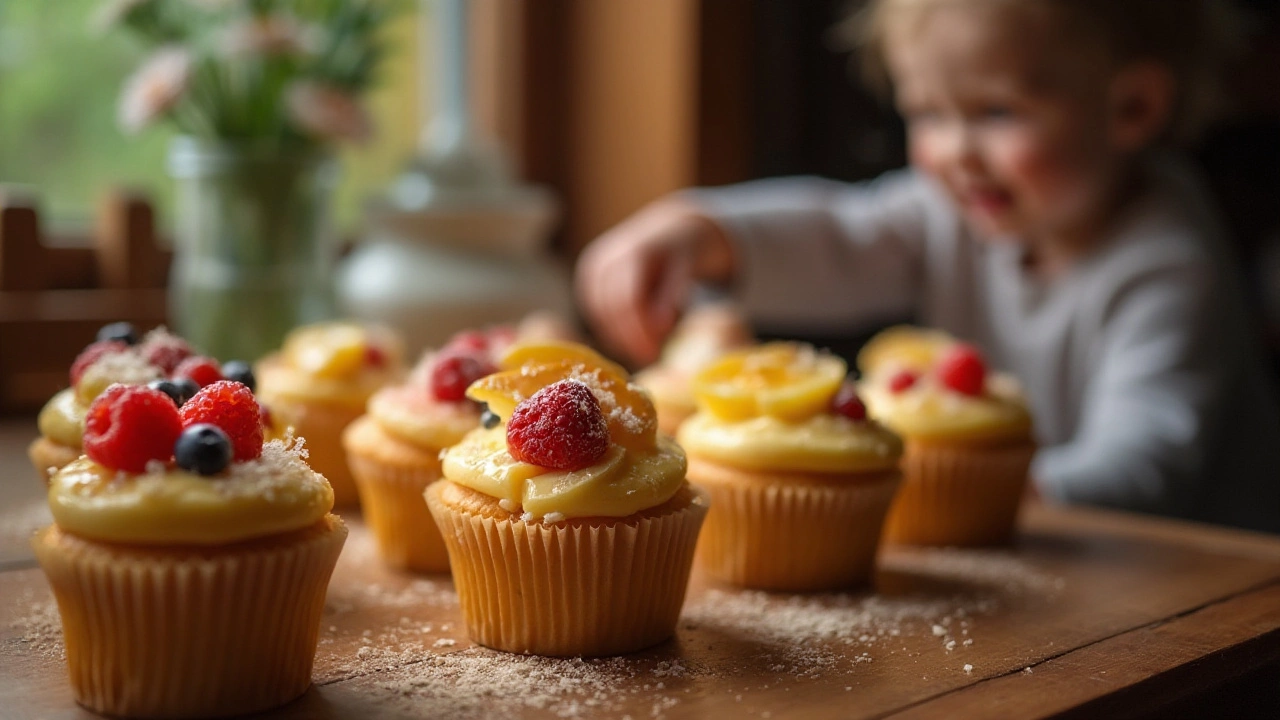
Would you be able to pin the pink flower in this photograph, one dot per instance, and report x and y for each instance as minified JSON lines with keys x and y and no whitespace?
{"x":278,"y":34}
{"x":154,"y":88}
{"x":327,"y":112}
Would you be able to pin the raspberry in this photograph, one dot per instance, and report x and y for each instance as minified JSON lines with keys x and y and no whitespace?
{"x":561,"y":427}
{"x":375,"y":356}
{"x":453,"y":371}
{"x":129,"y":426}
{"x":203,"y":370}
{"x":963,"y":370}
{"x":165,"y":351}
{"x":232,"y":407}
{"x":902,"y":381}
{"x":847,"y":403}
{"x":90,"y":355}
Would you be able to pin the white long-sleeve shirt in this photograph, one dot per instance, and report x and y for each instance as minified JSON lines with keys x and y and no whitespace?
{"x":1141,"y":370}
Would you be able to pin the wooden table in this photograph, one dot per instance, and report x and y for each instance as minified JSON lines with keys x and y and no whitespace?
{"x":1092,"y":615}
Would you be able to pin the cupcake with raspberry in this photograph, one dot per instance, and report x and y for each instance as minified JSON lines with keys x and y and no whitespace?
{"x":394,"y":449}
{"x":117,"y":357}
{"x":702,"y":336}
{"x":189,"y":558}
{"x":319,"y":383}
{"x":569,"y":523}
{"x":967,"y":432}
{"x":800,"y":480}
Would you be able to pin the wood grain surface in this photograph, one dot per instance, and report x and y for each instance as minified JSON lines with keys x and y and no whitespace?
{"x":1091,"y":614}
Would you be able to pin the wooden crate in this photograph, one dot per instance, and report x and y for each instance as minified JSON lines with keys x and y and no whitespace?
{"x":56,"y":292}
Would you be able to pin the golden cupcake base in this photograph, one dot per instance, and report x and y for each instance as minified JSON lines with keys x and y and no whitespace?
{"x":322,"y":426}
{"x":580,"y":587}
{"x":46,"y":454}
{"x":794,"y":532}
{"x":190,"y":632}
{"x":961,"y":495}
{"x":391,"y":476}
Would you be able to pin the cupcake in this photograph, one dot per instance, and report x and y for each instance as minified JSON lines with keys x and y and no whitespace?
{"x":703,"y":335}
{"x":394,"y":449}
{"x":569,"y":524}
{"x":967,"y":434}
{"x":189,"y":559}
{"x":799,"y":478}
{"x":118,"y":357}
{"x":320,"y":382}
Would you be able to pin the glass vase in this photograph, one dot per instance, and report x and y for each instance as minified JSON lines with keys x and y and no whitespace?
{"x":254,"y":246}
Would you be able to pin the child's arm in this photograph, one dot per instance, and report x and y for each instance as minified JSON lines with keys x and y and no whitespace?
{"x":798,"y":252}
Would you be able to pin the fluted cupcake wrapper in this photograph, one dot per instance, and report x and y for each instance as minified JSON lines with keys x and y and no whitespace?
{"x":322,"y":426}
{"x":180,"y":633}
{"x":591,"y":588}
{"x":959,"y":495}
{"x":392,"y":504}
{"x":772,"y":532}
{"x":46,"y":454}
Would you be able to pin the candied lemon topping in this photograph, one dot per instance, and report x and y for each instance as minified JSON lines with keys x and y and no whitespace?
{"x":825,"y":443}
{"x":787,"y":381}
{"x":338,"y":363}
{"x":622,"y":483}
{"x":275,"y":493}
{"x":639,"y":470}
{"x":925,"y":408}
{"x":62,"y":418}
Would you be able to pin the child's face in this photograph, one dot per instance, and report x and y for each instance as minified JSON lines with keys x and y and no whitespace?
{"x":993,"y":113}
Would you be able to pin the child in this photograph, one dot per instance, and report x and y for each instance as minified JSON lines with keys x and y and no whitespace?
{"x":1037,"y":221}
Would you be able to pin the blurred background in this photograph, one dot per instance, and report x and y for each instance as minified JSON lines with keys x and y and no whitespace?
{"x":598,"y":106}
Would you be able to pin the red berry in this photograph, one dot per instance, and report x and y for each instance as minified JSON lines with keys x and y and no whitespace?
{"x":166,"y":351}
{"x":468,"y":341}
{"x":90,"y":355}
{"x":128,"y":426}
{"x":231,"y":406}
{"x":902,"y":381}
{"x":264,"y":413}
{"x":203,"y":370}
{"x":561,"y":427}
{"x":375,"y":356}
{"x":848,"y":404}
{"x":453,"y":372}
{"x":963,"y":370}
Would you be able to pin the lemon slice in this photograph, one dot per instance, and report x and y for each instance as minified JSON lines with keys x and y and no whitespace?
{"x":787,"y":381}
{"x":554,"y":352}
{"x":327,"y":350}
{"x":903,"y":347}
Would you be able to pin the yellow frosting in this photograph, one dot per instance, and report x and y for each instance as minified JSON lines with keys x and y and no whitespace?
{"x":824,"y":443}
{"x":411,"y":414}
{"x":62,"y":419}
{"x":276,"y":493}
{"x":927,"y":411}
{"x":326,"y":364}
{"x":623,"y":483}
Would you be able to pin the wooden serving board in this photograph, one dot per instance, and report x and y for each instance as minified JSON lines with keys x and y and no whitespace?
{"x":1090,"y":614}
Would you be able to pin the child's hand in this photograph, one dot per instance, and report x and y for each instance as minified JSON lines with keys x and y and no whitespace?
{"x":634,"y":280}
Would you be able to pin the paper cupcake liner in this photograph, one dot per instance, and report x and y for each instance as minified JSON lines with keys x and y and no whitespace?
{"x":184,"y":633}
{"x":46,"y":454}
{"x":322,"y":426}
{"x":791,"y":532}
{"x":588,"y":587}
{"x":391,"y":477}
{"x":963,"y":496}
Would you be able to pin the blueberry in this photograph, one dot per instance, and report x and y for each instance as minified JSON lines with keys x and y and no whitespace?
{"x":170,"y":388}
{"x":203,"y":449}
{"x":188,"y":388}
{"x":121,"y":331}
{"x":239,"y":371}
{"x":488,"y":418}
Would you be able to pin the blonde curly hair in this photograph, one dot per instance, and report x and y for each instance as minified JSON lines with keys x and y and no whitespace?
{"x":1194,"y":39}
